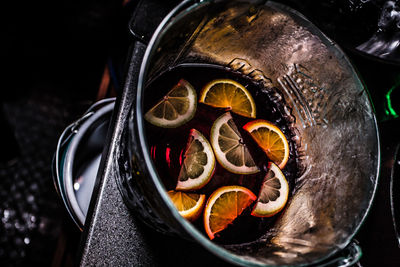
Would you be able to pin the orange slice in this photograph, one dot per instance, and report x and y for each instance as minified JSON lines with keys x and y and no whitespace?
{"x":229,"y":148}
{"x":176,"y":108}
{"x":189,"y":205}
{"x":224,"y":206}
{"x":198,"y":163}
{"x":226,"y":93}
{"x":271,"y":139}
{"x":273,"y":194}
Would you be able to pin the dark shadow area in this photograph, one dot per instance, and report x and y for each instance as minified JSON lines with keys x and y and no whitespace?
{"x":54,"y":55}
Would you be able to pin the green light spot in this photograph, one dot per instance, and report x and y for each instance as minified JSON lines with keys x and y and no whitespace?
{"x":390,"y":110}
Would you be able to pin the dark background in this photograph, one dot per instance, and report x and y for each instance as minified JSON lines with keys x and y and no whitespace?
{"x":53,"y":56}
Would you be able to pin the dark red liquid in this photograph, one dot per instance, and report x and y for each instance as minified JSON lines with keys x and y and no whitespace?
{"x":167,"y":145}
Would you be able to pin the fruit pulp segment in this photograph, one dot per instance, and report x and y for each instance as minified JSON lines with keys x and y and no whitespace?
{"x":230,"y":149}
{"x":175,"y":108}
{"x":271,"y":142}
{"x":227,"y":93}
{"x":197,"y":163}
{"x":194,"y":160}
{"x":184,"y":201}
{"x":227,"y":207}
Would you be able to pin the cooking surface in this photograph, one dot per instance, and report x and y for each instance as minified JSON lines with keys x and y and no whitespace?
{"x":35,"y":227}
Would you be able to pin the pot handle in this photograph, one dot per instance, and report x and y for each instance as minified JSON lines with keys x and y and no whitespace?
{"x":66,"y":136}
{"x":143,"y":23}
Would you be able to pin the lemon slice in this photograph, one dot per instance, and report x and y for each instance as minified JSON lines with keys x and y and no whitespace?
{"x":224,"y":206}
{"x":189,"y":205}
{"x":176,"y":108}
{"x":273,"y":194}
{"x":226,"y":93}
{"x":229,"y":148}
{"x":198,"y":163}
{"x":271,"y":139}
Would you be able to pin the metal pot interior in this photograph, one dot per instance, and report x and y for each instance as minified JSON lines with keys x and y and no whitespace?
{"x":331,"y":113}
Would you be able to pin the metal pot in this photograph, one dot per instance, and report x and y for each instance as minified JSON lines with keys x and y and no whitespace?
{"x":328,"y":106}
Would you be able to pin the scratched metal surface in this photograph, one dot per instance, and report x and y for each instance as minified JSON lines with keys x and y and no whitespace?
{"x":331,"y":113}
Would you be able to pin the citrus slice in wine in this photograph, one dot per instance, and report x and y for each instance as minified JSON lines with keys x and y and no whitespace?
{"x":229,"y":148}
{"x":176,"y":108}
{"x":226,"y":93}
{"x":271,"y":139}
{"x":198,"y":163}
{"x":273,"y":194}
{"x":189,"y":205}
{"x":223,"y":206}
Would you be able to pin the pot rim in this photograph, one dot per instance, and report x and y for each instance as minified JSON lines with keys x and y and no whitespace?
{"x":177,"y":13}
